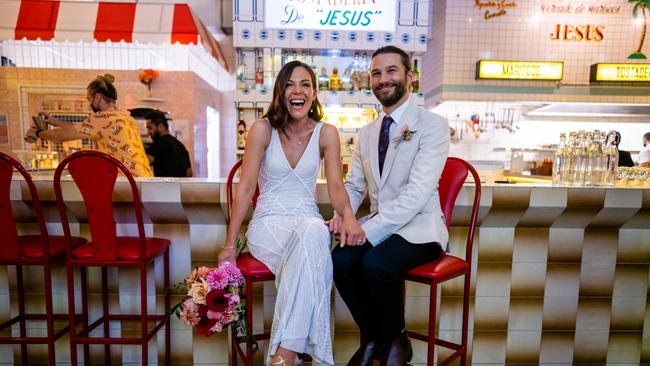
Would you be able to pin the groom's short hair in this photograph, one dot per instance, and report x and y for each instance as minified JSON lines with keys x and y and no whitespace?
{"x":406,"y":59}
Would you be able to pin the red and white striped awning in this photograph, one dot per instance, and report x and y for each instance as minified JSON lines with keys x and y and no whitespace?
{"x":105,"y":21}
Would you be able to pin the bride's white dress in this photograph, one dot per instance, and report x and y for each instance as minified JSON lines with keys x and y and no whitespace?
{"x":287,"y":233}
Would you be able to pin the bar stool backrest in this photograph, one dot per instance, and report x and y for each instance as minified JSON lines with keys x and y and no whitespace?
{"x":451,"y":181}
{"x":229,"y":191}
{"x":95,"y":174}
{"x":9,"y":248}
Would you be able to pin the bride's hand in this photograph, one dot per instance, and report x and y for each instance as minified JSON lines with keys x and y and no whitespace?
{"x":227,"y":254}
{"x":351,"y":232}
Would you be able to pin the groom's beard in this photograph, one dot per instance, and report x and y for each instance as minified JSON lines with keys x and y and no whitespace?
{"x":390,"y":99}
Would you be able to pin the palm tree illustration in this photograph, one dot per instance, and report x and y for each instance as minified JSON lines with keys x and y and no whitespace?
{"x":640,"y":5}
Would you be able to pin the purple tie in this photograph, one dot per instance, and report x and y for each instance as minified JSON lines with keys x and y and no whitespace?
{"x":384,"y":137}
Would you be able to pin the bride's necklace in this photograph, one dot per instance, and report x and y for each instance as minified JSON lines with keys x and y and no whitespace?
{"x":296,"y":140}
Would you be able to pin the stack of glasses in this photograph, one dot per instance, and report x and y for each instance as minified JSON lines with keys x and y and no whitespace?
{"x":586,"y":159}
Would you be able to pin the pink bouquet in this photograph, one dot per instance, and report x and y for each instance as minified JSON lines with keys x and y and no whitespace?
{"x":213,"y":300}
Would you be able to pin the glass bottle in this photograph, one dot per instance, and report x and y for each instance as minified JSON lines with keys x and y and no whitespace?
{"x":610,"y":155}
{"x":346,"y":80}
{"x":259,"y":74}
{"x":355,"y":68}
{"x":579,"y":160}
{"x":594,"y":172}
{"x":241,"y":75}
{"x":241,"y":134}
{"x":335,"y":80}
{"x":323,"y":79}
{"x":364,"y":77}
{"x":416,"y":78}
{"x":559,"y":161}
{"x":313,"y":67}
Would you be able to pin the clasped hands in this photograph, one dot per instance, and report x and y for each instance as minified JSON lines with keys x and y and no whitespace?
{"x":348,"y":230}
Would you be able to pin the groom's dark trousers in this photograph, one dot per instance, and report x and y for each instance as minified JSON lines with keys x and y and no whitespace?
{"x":369,"y":281}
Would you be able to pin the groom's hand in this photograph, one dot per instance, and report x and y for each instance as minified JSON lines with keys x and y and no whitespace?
{"x":335,"y":224}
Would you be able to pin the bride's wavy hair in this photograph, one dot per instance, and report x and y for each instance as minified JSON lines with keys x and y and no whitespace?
{"x":278,"y":114}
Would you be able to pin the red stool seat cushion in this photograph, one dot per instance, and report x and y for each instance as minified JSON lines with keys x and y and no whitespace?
{"x":250,"y":266}
{"x":32,"y":245}
{"x":127,"y":248}
{"x":441,"y":269}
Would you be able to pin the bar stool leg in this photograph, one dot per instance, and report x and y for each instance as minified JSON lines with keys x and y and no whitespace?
{"x":107,"y":347}
{"x":143,"y":312}
{"x":233,"y":348}
{"x":49,"y":316}
{"x":168,"y":331}
{"x":249,"y":322}
{"x":464,"y":330}
{"x":83,"y":271}
{"x":431,"y":342}
{"x":21,"y":312}
{"x":71,"y":315}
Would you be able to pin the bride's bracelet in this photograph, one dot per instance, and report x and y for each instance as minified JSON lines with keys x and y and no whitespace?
{"x":228,"y":248}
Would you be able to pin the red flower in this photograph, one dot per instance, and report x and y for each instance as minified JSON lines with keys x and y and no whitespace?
{"x":203,"y":328}
{"x":216,"y":300}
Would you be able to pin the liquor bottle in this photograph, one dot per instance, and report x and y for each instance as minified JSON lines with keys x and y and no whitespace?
{"x":346,"y":80}
{"x":259,"y":74}
{"x":323,"y":79}
{"x":559,"y":161}
{"x":355,"y":68}
{"x":416,"y":78}
{"x":241,"y":134}
{"x":335,"y":80}
{"x":241,"y":75}
{"x":364,"y":77}
{"x":314,"y":68}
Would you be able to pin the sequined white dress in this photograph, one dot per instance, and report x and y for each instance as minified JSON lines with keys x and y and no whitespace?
{"x":287,"y":233}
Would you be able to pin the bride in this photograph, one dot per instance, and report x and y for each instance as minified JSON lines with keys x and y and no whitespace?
{"x":287,"y":232}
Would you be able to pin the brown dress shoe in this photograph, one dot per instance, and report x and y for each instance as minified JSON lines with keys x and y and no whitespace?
{"x":399,"y":351}
{"x":365,"y":354}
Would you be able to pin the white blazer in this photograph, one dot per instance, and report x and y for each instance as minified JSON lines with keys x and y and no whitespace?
{"x":404,"y":199}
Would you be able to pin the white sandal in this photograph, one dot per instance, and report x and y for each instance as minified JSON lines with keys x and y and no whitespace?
{"x":282,"y":361}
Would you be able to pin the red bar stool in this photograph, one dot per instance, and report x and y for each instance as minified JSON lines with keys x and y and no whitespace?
{"x":29,"y":250}
{"x":448,"y":267}
{"x":253,"y":271}
{"x":95,"y":175}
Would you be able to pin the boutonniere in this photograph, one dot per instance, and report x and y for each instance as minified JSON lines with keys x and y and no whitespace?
{"x":405,"y":135}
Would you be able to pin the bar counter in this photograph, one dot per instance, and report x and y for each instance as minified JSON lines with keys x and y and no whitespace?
{"x":560,"y":274}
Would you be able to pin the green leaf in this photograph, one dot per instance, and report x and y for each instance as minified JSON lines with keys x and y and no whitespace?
{"x":241,"y":245}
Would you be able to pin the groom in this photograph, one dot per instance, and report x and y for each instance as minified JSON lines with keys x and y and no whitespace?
{"x":398,"y":160}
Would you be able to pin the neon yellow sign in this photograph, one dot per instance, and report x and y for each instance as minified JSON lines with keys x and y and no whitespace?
{"x":519,"y":70}
{"x":621,"y":72}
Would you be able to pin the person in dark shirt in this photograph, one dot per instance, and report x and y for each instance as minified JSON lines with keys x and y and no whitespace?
{"x":166,"y":154}
{"x":624,"y":157}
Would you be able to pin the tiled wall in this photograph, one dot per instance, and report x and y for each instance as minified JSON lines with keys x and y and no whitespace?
{"x":523,"y":33}
{"x":183,"y":94}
